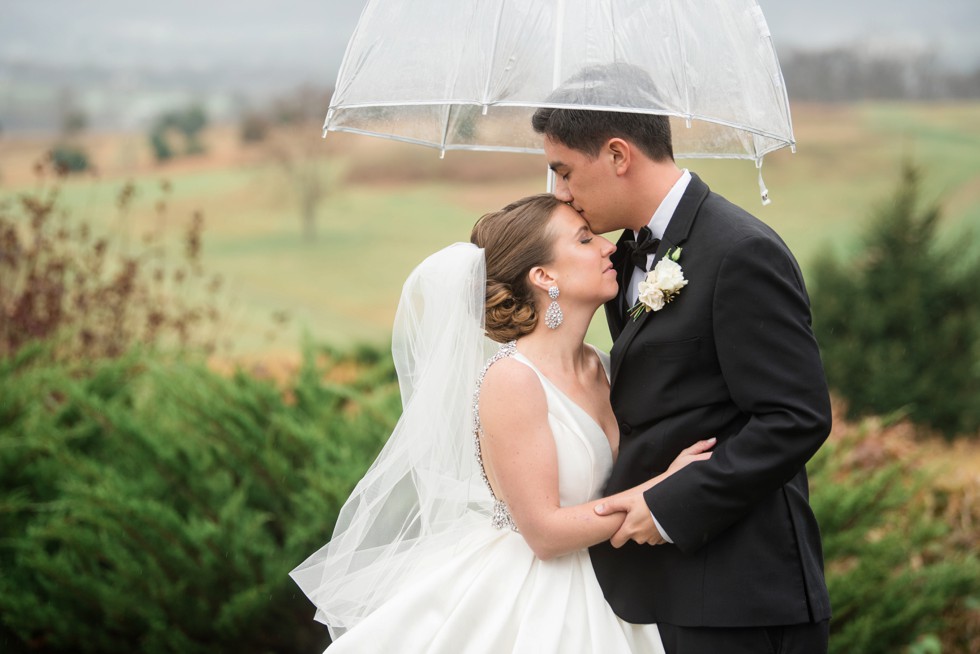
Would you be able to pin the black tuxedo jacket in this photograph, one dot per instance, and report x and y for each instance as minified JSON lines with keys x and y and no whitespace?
{"x":732,"y":356}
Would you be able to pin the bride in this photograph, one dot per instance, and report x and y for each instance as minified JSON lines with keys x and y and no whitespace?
{"x":469,"y":531}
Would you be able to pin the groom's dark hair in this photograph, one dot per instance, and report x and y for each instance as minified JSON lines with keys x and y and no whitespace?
{"x":588,"y":130}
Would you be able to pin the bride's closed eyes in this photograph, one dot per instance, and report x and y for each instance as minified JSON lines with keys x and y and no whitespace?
{"x":585,"y":235}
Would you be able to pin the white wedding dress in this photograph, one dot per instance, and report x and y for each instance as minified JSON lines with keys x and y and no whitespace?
{"x":486,"y":592}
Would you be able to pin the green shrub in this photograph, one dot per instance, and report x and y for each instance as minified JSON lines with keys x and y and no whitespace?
{"x":899,"y":323}
{"x":154,"y":506}
{"x":69,"y":158}
{"x":896,"y":576}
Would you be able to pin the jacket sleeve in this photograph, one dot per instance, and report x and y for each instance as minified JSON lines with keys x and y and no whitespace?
{"x":771,"y":366}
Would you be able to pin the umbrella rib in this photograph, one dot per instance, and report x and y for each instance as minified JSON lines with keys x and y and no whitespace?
{"x":445,"y":130}
{"x":493,"y":57}
{"x":782,"y":87}
{"x":680,"y":46}
{"x":451,"y":104}
{"x":344,"y":64}
{"x":612,"y":30}
{"x":559,"y":44}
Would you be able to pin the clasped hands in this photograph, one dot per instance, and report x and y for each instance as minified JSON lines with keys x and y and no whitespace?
{"x":638,"y":525}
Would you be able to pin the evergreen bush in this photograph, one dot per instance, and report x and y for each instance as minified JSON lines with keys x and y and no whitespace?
{"x":899,"y":323}
{"x":898,"y":578}
{"x":154,"y":506}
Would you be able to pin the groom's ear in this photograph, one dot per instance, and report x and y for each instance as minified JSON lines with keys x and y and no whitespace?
{"x":620,"y":155}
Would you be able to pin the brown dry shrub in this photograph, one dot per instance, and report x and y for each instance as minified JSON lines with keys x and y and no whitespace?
{"x":94,"y":296}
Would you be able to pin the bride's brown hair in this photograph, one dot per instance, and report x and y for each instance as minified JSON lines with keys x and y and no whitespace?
{"x":514,"y":240}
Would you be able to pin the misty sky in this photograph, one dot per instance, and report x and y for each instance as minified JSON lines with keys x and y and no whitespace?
{"x":306,"y":38}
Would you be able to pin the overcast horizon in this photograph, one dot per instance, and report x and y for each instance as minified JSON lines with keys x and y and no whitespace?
{"x":309,"y":36}
{"x":123,"y":61}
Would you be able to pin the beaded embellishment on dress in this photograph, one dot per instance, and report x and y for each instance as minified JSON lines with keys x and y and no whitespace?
{"x":500,"y":518}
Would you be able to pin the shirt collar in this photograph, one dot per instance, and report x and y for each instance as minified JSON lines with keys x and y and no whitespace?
{"x":663,"y":214}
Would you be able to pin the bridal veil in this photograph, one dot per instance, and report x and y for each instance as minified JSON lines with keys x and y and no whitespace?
{"x":424,"y":490}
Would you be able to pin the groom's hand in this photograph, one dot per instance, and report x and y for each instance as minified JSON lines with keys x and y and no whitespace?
{"x":638,"y":525}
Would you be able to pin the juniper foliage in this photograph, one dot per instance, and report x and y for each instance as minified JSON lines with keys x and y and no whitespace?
{"x":899,"y":322}
{"x":155,"y":506}
{"x":897,"y":579}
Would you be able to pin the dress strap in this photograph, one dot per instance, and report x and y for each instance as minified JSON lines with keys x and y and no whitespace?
{"x":500,"y":518}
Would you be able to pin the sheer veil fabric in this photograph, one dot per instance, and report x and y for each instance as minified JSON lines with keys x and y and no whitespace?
{"x":424,"y":491}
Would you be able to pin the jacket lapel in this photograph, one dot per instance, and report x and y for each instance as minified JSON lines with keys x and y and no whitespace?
{"x":676,"y":234}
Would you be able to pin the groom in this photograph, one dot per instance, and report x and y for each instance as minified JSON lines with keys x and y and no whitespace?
{"x":725,"y":555}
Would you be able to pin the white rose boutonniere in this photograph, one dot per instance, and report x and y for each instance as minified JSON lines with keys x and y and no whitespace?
{"x":661,"y":285}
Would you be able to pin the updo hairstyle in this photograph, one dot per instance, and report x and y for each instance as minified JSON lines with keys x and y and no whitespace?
{"x":514,"y":240}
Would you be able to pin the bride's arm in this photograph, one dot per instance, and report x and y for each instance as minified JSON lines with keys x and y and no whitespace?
{"x":521,"y":461}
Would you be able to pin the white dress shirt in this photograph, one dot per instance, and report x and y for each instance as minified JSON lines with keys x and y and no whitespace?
{"x":658,"y":225}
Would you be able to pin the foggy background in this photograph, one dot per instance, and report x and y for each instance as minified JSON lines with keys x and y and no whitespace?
{"x":121,"y":62}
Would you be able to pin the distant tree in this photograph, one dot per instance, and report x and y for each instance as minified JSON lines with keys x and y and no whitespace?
{"x":191,"y":122}
{"x":964,"y":86}
{"x":68,"y":158}
{"x":298,"y":153}
{"x":899,"y":323}
{"x":847,"y":74}
{"x":72,"y":119}
{"x":161,"y":146}
{"x":68,"y":155}
{"x":184,"y":125}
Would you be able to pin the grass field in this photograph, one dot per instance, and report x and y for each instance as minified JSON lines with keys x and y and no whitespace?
{"x":387,"y":205}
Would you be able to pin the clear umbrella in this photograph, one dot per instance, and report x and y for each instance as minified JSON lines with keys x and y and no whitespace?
{"x":468,"y":74}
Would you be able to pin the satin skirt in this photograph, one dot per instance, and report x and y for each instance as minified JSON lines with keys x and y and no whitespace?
{"x":489,"y":594}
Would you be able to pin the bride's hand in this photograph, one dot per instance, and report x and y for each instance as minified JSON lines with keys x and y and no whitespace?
{"x":639,"y":525}
{"x":697,"y":452}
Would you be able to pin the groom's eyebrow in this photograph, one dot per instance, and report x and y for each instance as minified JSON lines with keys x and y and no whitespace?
{"x":555,"y":165}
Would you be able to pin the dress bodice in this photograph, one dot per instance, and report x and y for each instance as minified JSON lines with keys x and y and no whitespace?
{"x":584,"y":455}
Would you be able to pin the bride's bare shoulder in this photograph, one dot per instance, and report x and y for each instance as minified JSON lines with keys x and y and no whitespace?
{"x":510,"y":386}
{"x":508,"y":373}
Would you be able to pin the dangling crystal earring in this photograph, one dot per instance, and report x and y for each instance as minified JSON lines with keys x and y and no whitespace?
{"x":553,"y":317}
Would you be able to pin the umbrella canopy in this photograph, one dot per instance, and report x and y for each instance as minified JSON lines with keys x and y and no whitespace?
{"x":468,"y":74}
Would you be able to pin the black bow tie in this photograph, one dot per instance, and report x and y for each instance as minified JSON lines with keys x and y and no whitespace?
{"x":644,"y":245}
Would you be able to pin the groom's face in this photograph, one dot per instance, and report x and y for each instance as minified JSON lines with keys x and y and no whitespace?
{"x":586,"y":183}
